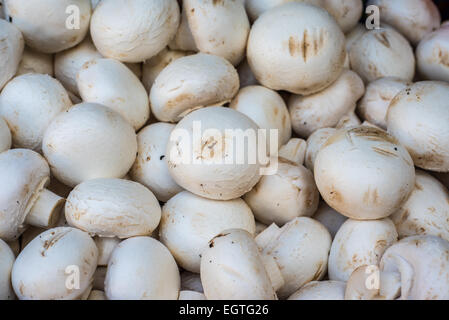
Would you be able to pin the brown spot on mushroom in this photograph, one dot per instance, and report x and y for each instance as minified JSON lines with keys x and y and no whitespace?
{"x":53,"y":240}
{"x":418,"y":186}
{"x":382,"y":38}
{"x":218,"y":2}
{"x":318,"y":272}
{"x":384,"y":152}
{"x":293,"y":46}
{"x":443,"y":57}
{"x":335,"y":196}
{"x":372,"y":134}
{"x":305,"y":45}
{"x":182,"y":98}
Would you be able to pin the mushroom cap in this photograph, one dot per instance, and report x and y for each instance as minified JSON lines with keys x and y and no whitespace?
{"x":267,"y":109}
{"x":418,"y":117}
{"x":347,"y":173}
{"x":113,"y":208}
{"x":192,"y":82}
{"x":232,"y":269}
{"x":136,"y":30}
{"x":208,"y":164}
{"x":330,"y":218}
{"x":412,"y":18}
{"x":220,"y":28}
{"x":29,"y":103}
{"x":296,"y":47}
{"x":189,"y":222}
{"x":6,"y":262}
{"x":373,"y":107}
{"x":105,"y":247}
{"x":23,"y":174}
{"x":325,"y":108}
{"x":256,"y":8}
{"x":428,"y":257}
{"x":347,"y":13}
{"x":432,"y":55}
{"x":281,"y":197}
{"x":191,"y":281}
{"x":320,"y":290}
{"x":110,"y":83}
{"x":150,"y":167}
{"x":359,"y":243}
{"x":426,"y":212}
{"x":314,"y":143}
{"x":382,"y":53}
{"x":125,"y":280}
{"x":44,"y":23}
{"x":11,"y":50}
{"x":35,"y":62}
{"x":94,"y":130}
{"x":44,"y":268}
{"x":5,"y":136}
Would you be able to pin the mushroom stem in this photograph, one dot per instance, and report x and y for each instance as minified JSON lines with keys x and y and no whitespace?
{"x":273,"y":271}
{"x":294,"y":151}
{"x":46,"y":209}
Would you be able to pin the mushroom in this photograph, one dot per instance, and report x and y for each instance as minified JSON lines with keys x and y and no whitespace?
{"x":190,"y":83}
{"x":359,"y":243}
{"x":105,"y":247}
{"x":189,"y":222}
{"x":294,"y":150}
{"x":349,"y":120}
{"x":300,"y":249}
{"x":246,"y":75}
{"x":24,"y":199}
{"x":233,"y":269}
{"x":125,"y":279}
{"x":256,"y":8}
{"x":113,"y":208}
{"x":97,"y":295}
{"x":382,"y":53}
{"x":50,"y":33}
{"x":134,"y":31}
{"x":150,"y":167}
{"x":325,"y":108}
{"x":58,"y":264}
{"x":191,"y":295}
{"x":93,"y":130}
{"x":267,"y":109}
{"x":6,"y":262}
{"x":35,"y":62}
{"x":191,"y":282}
{"x":110,"y":83}
{"x":418,"y":117}
{"x":29,"y":103}
{"x":432,"y":55}
{"x":308,"y":43}
{"x":426,"y":212}
{"x":330,"y":218}
{"x":347,"y":175}
{"x":414,"y":19}
{"x":374,"y":105}
{"x":219,"y":27}
{"x":11,"y":50}
{"x":204,"y":161}
{"x":320,"y":290}
{"x":5,"y":136}
{"x":314,"y":143}
{"x":347,"y":13}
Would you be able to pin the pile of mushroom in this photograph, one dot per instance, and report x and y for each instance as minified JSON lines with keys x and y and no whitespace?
{"x":232,"y":149}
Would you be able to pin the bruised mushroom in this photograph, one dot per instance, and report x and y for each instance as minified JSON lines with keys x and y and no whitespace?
{"x":11,"y":50}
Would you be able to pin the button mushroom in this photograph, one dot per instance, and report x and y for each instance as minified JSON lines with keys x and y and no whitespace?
{"x":5,"y":136}
{"x":35,"y":62}
{"x":11,"y":50}
{"x":347,"y":13}
{"x":432,"y":55}
{"x":6,"y":262}
{"x":320,"y":290}
{"x":314,"y":143}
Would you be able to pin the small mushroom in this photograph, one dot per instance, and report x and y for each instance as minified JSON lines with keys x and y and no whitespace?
{"x":314,"y":143}
{"x":58,"y":264}
{"x":110,"y":83}
{"x":308,"y":43}
{"x":113,"y":208}
{"x":24,"y":199}
{"x":142,"y":268}
{"x":190,"y":83}
{"x":346,"y":12}
{"x":6,"y":262}
{"x":105,"y":247}
{"x":35,"y":62}
{"x":5,"y":136}
{"x":11,"y":50}
{"x":50,"y":33}
{"x":89,"y":131}
{"x":191,"y":295}
{"x":359,"y":243}
{"x":191,"y":282}
{"x":347,"y":171}
{"x":136,"y":30}
{"x":29,"y":103}
{"x":189,"y":222}
{"x":330,"y":218}
{"x":325,"y":108}
{"x":320,"y":290}
{"x":256,"y":8}
{"x":418,"y":117}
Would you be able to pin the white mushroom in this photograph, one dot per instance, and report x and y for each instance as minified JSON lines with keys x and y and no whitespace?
{"x":24,"y":199}
{"x":359,"y":243}
{"x":256,"y":8}
{"x":304,"y":54}
{"x":110,"y":83}
{"x":191,"y":295}
{"x":325,"y":108}
{"x":346,"y":12}
{"x":320,"y":290}
{"x":136,"y":30}
{"x":432,"y":55}
{"x":35,"y":62}
{"x":418,"y":117}
{"x":113,"y":208}
{"x":58,"y":264}
{"x":29,"y":103}
{"x":125,"y":279}
{"x":5,"y":136}
{"x":206,"y":162}
{"x":192,"y":82}
{"x":150,"y":168}
{"x":374,"y":105}
{"x":294,"y":150}
{"x":191,"y":282}
{"x":11,"y":50}
{"x":314,"y":143}
{"x":105,"y":247}
{"x":93,"y":130}
{"x":330,"y":218}
{"x":6,"y":262}
{"x":364,"y":173}
{"x":45,"y":24}
{"x":189,"y":222}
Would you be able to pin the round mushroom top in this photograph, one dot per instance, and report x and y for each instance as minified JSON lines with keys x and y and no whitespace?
{"x":11,"y":49}
{"x":134,"y":30}
{"x":23,"y":173}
